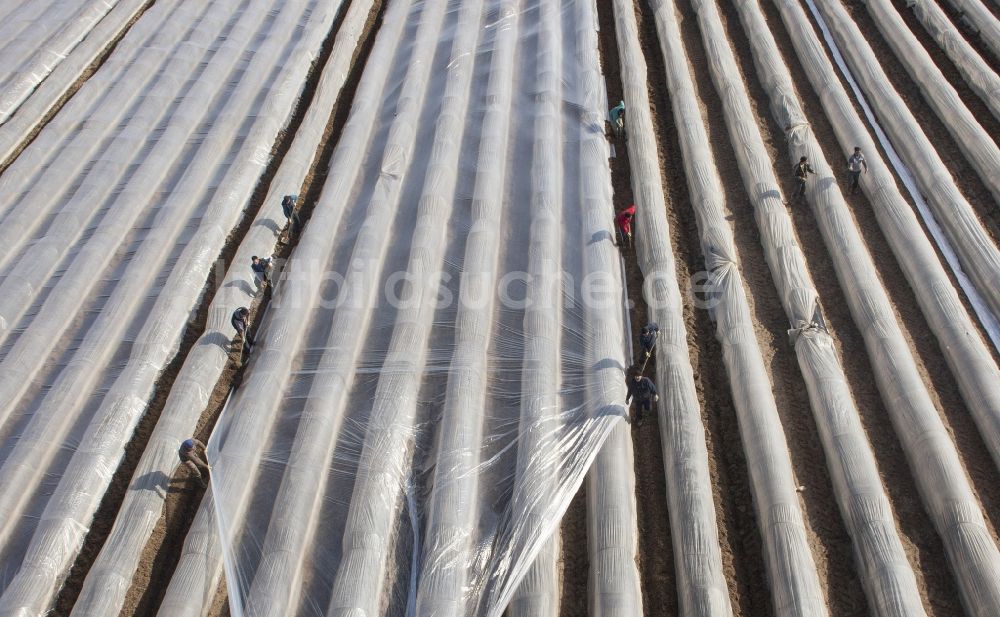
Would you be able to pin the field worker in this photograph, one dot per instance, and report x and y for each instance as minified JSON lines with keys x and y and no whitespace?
{"x":241,"y":321}
{"x":643,"y":391}
{"x":260,"y":267}
{"x":855,"y":164}
{"x":188,"y":453}
{"x":292,"y":222}
{"x":647,"y":339}
{"x":802,"y":170}
{"x":617,"y":116}
{"x":623,"y":220}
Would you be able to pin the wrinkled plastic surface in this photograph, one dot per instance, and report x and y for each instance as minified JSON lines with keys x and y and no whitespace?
{"x":443,"y":358}
{"x":22,"y":120}
{"x":979,"y":149}
{"x":976,"y":15}
{"x":933,"y":458}
{"x":701,"y":584}
{"x":977,"y":253}
{"x":36,"y":37}
{"x":791,"y":570}
{"x":110,"y":576}
{"x":108,"y":262}
{"x":967,"y":353}
{"x":975,"y":70}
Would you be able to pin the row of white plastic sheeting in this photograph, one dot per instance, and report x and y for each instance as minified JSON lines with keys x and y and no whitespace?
{"x":887,"y":575}
{"x":792,"y":574}
{"x":193,"y":585}
{"x":22,"y":121}
{"x":111,"y":574}
{"x":975,"y":71}
{"x":539,"y":592}
{"x":612,"y":525}
{"x":106,"y":302}
{"x":978,"y":147}
{"x":968,"y":355}
{"x":380,"y":455}
{"x":701,"y":584}
{"x":36,"y":37}
{"x":982,"y":20}
{"x":979,"y":256}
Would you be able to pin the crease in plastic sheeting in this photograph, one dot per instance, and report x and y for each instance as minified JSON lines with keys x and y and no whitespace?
{"x":987,"y":319}
{"x":584,"y":440}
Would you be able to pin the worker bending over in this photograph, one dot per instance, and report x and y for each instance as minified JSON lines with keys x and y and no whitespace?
{"x":188,"y":453}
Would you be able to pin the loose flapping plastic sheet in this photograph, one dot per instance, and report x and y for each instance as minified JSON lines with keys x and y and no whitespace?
{"x":142,"y":184}
{"x":110,"y":577}
{"x":442,"y":359}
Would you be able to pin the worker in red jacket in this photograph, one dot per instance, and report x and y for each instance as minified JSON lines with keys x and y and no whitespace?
{"x":623,"y":220}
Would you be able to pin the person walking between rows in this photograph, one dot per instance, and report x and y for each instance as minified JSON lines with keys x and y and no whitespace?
{"x":623,"y":221}
{"x":617,"y":116}
{"x":855,"y":164}
{"x":241,"y":322}
{"x":188,"y":453}
{"x":647,"y":340}
{"x":643,"y":391}
{"x":292,"y":222}
{"x":261,"y":271}
{"x":802,"y":171}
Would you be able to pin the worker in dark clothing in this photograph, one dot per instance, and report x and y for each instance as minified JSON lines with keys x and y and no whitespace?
{"x":623,"y":221}
{"x":260,"y":267}
{"x":292,"y":222}
{"x":855,"y":164}
{"x":241,"y":321}
{"x":802,"y":171}
{"x":188,"y":453}
{"x":650,"y":332}
{"x":643,"y":391}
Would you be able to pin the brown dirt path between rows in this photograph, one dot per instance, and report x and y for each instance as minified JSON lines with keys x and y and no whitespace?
{"x":655,"y":551}
{"x":161,"y":554}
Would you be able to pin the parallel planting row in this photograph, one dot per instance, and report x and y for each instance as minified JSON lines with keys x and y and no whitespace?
{"x":439,"y":364}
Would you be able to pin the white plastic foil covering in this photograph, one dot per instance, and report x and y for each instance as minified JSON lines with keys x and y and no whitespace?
{"x":792,"y":574}
{"x":976,"y":72}
{"x":21,"y":120}
{"x":976,"y":251}
{"x":977,"y":16}
{"x":442,"y":359}
{"x":111,"y":574}
{"x":978,"y":147}
{"x":142,"y":187}
{"x":701,"y":584}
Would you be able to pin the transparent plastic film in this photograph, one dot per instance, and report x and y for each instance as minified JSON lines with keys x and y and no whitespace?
{"x":108,"y":263}
{"x":442,"y":358}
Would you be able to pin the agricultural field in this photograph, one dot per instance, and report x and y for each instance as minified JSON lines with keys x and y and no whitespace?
{"x":431,"y":404}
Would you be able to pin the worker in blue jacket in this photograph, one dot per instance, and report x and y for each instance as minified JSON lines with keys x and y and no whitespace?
{"x":643,"y":390}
